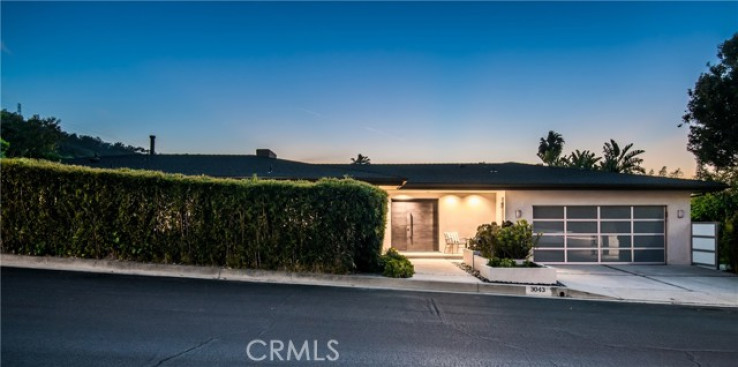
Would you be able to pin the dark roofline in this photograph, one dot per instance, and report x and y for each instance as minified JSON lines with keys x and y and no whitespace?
{"x":425,"y":176}
{"x":561,"y":187}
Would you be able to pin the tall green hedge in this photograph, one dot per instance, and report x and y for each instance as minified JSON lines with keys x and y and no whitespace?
{"x":333,"y":226}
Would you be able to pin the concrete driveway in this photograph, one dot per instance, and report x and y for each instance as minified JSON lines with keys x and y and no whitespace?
{"x":680,"y":284}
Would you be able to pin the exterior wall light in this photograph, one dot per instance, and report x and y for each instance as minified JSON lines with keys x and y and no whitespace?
{"x":518,"y":213}
{"x":680,"y":213}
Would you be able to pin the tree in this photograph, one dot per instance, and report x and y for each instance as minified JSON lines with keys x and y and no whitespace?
{"x":621,"y":160}
{"x":4,"y":145}
{"x":33,"y":138}
{"x":712,"y":111}
{"x":361,"y":159}
{"x":721,"y":207}
{"x":550,"y":149}
{"x":582,"y":159}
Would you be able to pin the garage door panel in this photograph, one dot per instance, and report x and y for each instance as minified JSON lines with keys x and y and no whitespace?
{"x":581,"y":212}
{"x":613,"y":241}
{"x":582,"y":241}
{"x":649,"y":241}
{"x":648,"y":256}
{"x":648,"y":212}
{"x":551,"y":241}
{"x":617,"y":255}
{"x":581,"y":227}
{"x":548,"y":227}
{"x":551,"y":256}
{"x":582,"y":256}
{"x":615,"y":227}
{"x":615,"y":212}
{"x":648,"y":227}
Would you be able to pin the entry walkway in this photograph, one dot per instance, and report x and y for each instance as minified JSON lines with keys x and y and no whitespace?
{"x":682,"y":284}
{"x":441,"y":270}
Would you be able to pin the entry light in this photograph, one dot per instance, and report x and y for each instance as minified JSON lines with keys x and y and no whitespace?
{"x":680,"y":213}
{"x":518,"y":213}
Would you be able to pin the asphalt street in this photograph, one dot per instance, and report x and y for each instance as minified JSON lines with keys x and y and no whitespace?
{"x":55,"y":318}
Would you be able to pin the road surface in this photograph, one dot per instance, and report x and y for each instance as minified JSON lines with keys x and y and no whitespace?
{"x":83,"y":319}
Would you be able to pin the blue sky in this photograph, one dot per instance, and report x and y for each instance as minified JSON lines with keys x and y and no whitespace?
{"x":399,"y":82}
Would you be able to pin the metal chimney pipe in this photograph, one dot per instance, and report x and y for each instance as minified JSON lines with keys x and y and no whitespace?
{"x":152,"y":147}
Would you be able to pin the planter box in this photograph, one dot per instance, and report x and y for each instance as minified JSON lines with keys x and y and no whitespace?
{"x":542,"y":275}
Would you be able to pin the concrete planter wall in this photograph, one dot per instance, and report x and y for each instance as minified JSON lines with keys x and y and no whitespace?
{"x":468,"y":256}
{"x":541,"y":275}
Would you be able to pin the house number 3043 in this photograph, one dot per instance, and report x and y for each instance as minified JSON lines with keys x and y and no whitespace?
{"x":538,"y":290}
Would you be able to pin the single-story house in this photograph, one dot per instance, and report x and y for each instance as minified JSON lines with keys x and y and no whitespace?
{"x":585,"y":216}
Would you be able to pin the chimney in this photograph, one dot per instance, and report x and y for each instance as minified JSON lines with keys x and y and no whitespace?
{"x":152,"y":149}
{"x":266,"y":153}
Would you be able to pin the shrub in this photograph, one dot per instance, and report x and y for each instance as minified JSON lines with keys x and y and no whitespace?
{"x":485,"y":240}
{"x":396,"y":265}
{"x":516,"y":241}
{"x":496,"y":262}
{"x":509,"y":241}
{"x":49,"y":209}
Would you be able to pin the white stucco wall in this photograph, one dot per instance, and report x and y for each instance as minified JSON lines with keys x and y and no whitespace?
{"x":460,"y":212}
{"x":677,"y":229}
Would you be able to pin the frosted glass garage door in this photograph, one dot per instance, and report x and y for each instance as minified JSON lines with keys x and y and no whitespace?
{"x":600,"y":234}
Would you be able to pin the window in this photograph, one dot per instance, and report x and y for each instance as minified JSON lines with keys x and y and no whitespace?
{"x":594,"y":234}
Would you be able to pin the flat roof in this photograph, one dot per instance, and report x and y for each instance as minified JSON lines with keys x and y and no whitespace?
{"x":459,"y":176}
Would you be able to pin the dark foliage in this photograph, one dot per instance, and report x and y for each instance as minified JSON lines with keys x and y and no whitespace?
{"x":49,"y":209}
{"x":712,"y":111}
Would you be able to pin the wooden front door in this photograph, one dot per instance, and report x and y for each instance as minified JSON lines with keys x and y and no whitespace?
{"x":415,"y":225}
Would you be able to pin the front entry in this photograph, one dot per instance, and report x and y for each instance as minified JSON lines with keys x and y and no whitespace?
{"x":415,"y":225}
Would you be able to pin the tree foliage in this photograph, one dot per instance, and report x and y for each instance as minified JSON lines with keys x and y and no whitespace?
{"x":550,"y":149}
{"x":585,"y":160}
{"x":361,"y":159}
{"x":38,"y":137}
{"x":712,"y":111}
{"x":614,"y":158}
{"x":4,"y":145}
{"x":33,"y":138}
{"x":619,"y":160}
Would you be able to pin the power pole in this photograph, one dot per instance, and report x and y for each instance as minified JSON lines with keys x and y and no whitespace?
{"x":19,"y":108}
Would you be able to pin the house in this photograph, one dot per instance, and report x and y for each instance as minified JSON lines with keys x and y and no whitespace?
{"x":584,"y":216}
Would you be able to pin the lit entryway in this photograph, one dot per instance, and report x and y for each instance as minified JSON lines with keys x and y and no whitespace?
{"x":415,"y":225}
{"x":600,"y":234}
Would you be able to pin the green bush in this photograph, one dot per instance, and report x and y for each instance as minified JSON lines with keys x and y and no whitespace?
{"x":396,"y":265}
{"x":516,"y":241}
{"x":49,"y":209}
{"x":485,"y":240}
{"x":496,"y":262}
{"x":509,"y":241}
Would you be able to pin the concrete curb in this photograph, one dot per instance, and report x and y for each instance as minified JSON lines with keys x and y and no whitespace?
{"x":264,"y":276}
{"x":283,"y":277}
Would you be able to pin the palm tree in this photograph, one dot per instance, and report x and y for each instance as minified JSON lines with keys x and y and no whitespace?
{"x":361,"y":159}
{"x":582,"y":159}
{"x":550,"y":148}
{"x":621,"y":161}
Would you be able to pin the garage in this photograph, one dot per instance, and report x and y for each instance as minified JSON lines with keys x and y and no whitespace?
{"x":600,"y":234}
